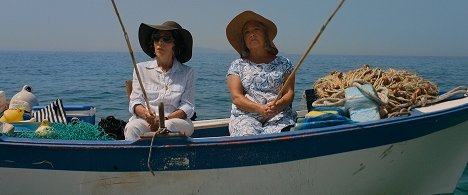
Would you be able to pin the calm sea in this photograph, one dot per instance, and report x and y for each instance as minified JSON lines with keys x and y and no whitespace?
{"x":98,"y":78}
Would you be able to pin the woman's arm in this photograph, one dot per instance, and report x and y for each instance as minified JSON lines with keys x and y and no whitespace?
{"x":148,"y":115}
{"x":136,"y":96}
{"x":286,"y":100}
{"x":186,"y":107}
{"x":177,"y":114}
{"x":239,"y":99}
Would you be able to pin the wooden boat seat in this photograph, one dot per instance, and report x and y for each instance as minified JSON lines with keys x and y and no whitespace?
{"x":128,"y":87}
{"x":198,"y":125}
{"x":204,"y":124}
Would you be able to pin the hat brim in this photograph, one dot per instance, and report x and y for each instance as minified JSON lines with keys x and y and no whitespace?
{"x":145,"y":32}
{"x":234,"y":29}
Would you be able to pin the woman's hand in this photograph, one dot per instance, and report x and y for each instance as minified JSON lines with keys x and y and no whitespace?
{"x":268,"y":111}
{"x":273,"y":109}
{"x":152,"y":120}
{"x":148,"y":115}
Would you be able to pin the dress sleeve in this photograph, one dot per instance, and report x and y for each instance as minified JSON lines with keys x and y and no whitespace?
{"x":234,"y":69}
{"x":289,"y":66}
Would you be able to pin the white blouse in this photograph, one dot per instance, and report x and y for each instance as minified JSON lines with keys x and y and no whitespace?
{"x":175,"y":88}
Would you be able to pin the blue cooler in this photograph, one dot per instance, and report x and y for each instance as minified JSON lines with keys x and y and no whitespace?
{"x":82,"y":112}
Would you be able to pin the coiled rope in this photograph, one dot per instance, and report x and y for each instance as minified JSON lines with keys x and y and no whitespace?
{"x":398,"y":91}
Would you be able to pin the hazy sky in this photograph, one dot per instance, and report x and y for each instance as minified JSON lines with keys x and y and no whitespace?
{"x":368,"y":27}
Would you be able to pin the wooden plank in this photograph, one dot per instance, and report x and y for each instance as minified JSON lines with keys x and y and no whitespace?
{"x":214,"y":123}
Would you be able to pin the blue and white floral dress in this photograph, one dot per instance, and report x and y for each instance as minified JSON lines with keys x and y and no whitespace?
{"x":261,"y":83}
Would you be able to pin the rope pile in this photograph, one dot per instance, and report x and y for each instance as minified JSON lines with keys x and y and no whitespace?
{"x":403,"y":89}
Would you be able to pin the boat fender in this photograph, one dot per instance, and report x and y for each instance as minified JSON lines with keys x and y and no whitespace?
{"x":44,"y":129}
{"x":24,"y":99}
{"x":12,"y":115}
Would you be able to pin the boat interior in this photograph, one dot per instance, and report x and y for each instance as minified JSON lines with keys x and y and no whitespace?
{"x":218,"y":128}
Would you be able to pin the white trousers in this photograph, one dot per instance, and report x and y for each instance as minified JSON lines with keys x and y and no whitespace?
{"x":139,"y":126}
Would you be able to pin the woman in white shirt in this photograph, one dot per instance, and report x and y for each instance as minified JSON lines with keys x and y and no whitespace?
{"x":165,"y":79}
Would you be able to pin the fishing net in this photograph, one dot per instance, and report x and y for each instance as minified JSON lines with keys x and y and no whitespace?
{"x":70,"y":131}
{"x":404,"y":89}
{"x":113,"y":127}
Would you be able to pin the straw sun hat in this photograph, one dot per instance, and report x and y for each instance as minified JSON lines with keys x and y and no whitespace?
{"x":234,"y":29}
{"x":146,"y":31}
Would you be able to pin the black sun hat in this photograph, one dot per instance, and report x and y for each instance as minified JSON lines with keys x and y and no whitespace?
{"x":146,"y":31}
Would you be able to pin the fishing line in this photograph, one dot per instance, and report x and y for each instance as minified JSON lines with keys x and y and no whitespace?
{"x":162,"y":129}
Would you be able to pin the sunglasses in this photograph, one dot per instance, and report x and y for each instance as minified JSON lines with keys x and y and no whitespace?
{"x":165,"y":38}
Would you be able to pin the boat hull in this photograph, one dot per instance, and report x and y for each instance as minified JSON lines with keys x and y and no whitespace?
{"x":421,"y":154}
{"x":431,"y":164}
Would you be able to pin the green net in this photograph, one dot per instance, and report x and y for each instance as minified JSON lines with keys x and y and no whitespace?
{"x":77,"y":131}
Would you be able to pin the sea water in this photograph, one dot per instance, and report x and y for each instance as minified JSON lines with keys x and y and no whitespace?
{"x":98,"y":78}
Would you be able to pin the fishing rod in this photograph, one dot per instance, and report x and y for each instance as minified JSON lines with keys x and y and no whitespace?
{"x":133,"y":57}
{"x":288,"y":81}
{"x":161,"y":105}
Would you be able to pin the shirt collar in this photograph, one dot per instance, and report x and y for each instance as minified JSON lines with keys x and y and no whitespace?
{"x":154,"y":65}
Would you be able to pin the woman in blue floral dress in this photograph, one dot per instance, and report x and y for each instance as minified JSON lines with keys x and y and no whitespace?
{"x":255,"y":79}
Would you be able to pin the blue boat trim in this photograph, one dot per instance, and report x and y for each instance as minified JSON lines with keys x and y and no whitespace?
{"x":181,"y":153}
{"x":68,"y":107}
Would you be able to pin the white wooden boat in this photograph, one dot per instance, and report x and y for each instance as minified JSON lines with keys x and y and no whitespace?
{"x":424,"y":153}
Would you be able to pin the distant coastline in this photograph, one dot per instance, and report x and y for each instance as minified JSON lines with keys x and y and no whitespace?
{"x":202,"y":50}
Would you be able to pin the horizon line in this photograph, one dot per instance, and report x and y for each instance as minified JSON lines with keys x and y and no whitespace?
{"x":219,"y":51}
